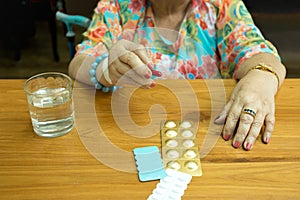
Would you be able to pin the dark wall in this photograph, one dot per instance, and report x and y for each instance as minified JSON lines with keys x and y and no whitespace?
{"x":279,"y":20}
{"x":81,"y":7}
{"x":272,"y":6}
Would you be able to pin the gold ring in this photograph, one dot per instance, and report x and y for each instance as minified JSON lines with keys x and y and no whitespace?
{"x":249,"y":112}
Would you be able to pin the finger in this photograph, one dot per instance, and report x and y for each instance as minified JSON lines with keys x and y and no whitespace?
{"x":221,"y":118}
{"x":123,"y":68}
{"x":126,"y":80}
{"x":254,"y":131}
{"x":156,"y":73}
{"x":130,"y":46}
{"x":270,"y":122}
{"x":135,"y":63}
{"x":231,"y":121}
{"x":140,"y":51}
{"x":244,"y":125}
{"x":120,"y":70}
{"x":115,"y":72}
{"x":151,"y":66}
{"x":143,"y":55}
{"x":112,"y":73}
{"x":132,"y":78}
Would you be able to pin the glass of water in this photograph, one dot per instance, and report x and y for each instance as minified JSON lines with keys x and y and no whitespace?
{"x":49,"y":97}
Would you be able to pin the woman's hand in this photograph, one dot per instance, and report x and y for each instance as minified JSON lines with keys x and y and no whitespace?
{"x":251,"y":105}
{"x":129,"y":62}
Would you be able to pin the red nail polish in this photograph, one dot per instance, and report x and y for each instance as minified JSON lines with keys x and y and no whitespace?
{"x":226,"y":137}
{"x":150,"y":65}
{"x":237,"y":144}
{"x":249,"y":146}
{"x":156,"y":73}
{"x":152,"y":85}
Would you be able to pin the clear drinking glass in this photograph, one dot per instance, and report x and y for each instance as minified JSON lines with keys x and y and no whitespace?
{"x":49,"y":98}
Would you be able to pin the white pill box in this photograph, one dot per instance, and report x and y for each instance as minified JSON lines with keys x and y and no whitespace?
{"x":172,"y":186}
{"x":179,"y":147}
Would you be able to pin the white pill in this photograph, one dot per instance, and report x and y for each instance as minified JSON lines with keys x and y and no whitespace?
{"x":191,"y":165}
{"x":190,"y":154}
{"x":172,"y":154}
{"x":185,"y":124}
{"x":188,"y":143}
{"x":187,"y":133}
{"x":171,"y":143}
{"x":173,"y":165}
{"x":171,"y":133}
{"x":170,"y":124}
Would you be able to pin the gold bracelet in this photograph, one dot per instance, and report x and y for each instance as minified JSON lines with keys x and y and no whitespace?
{"x":266,"y":68}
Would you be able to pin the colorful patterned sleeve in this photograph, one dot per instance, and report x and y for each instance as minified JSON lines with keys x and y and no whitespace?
{"x":237,"y":36}
{"x":103,"y":31}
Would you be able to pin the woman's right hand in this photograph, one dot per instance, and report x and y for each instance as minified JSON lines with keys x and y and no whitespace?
{"x":129,"y":62}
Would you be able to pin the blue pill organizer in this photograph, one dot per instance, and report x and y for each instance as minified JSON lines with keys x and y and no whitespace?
{"x":149,"y":163}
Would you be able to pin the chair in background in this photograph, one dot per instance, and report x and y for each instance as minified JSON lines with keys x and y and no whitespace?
{"x":76,"y":13}
{"x":70,"y":20}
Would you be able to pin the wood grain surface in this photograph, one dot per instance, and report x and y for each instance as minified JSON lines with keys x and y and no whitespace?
{"x":95,"y":160}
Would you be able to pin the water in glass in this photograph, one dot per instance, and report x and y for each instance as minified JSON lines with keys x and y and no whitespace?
{"x":51,"y":111}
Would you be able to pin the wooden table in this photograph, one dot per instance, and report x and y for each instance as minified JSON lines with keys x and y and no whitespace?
{"x":68,"y":167}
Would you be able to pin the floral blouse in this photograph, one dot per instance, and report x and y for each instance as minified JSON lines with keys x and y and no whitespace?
{"x":214,"y":38}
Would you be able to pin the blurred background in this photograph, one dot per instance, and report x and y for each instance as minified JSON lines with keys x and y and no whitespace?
{"x":42,"y":45}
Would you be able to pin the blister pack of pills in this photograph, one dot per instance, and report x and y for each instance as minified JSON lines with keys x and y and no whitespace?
{"x":179,"y":147}
{"x":171,"y":187}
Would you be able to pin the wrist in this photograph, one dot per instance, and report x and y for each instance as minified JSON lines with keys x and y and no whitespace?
{"x":264,"y":79}
{"x":95,"y":76}
{"x":268,"y":69}
{"x":102,"y":73}
{"x":268,"y":59}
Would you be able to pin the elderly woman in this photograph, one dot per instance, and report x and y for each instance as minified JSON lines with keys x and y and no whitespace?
{"x":171,"y":39}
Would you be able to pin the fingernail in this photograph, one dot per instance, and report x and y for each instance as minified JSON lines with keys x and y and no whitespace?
{"x":156,"y":73}
{"x":152,"y":85}
{"x":226,"y":137}
{"x":249,"y":146}
{"x":219,"y":120}
{"x":148,"y":75}
{"x":267,"y":140}
{"x":150,"y":65}
{"x":237,"y":144}
{"x":216,"y":119}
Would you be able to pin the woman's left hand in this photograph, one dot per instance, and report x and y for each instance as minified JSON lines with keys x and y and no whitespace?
{"x":251,"y":106}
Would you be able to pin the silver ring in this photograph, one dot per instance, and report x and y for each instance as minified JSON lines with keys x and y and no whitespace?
{"x":249,"y":112}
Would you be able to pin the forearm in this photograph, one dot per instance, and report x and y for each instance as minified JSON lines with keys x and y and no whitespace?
{"x":241,"y":44}
{"x":79,"y":69}
{"x":265,"y":58}
{"x":95,"y":44}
